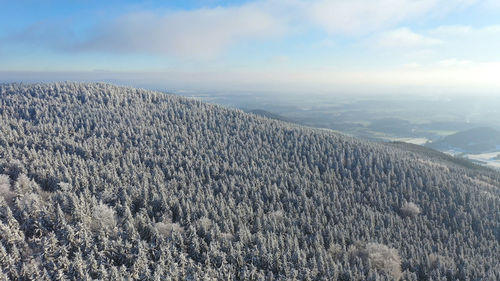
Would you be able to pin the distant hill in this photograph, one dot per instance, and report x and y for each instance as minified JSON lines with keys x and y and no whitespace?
{"x":440,"y":156}
{"x":392,"y":126}
{"x":477,"y":140}
{"x":99,"y":182}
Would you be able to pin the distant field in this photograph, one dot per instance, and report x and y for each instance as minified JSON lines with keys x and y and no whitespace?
{"x":442,"y":132}
{"x":419,"y":141}
{"x":491,"y":159}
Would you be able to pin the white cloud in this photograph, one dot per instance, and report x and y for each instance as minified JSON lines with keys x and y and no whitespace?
{"x":492,"y":29}
{"x":280,"y":59}
{"x":404,"y":38}
{"x":412,"y":65}
{"x":203,"y":33}
{"x":451,"y":30}
{"x":466,"y":42}
{"x":363,"y":16}
{"x":453,"y":62}
{"x":460,"y":42}
{"x":356,"y":16}
{"x":325,"y":43}
{"x":465,"y":31}
{"x":491,"y":4}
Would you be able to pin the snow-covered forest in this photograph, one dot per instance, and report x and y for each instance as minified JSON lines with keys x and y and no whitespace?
{"x":112,"y":183}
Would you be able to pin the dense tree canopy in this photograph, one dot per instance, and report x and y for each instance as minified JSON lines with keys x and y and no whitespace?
{"x":106,"y":182}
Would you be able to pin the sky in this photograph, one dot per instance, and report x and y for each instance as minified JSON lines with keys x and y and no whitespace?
{"x":296,"y":46}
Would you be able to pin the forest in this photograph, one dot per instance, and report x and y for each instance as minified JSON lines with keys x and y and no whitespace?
{"x":102,"y":182}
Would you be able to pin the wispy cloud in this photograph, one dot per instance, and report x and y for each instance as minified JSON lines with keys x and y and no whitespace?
{"x":363,"y":16}
{"x":201,"y":33}
{"x":404,"y":38}
{"x":280,"y":59}
{"x":453,"y":62}
{"x":49,"y":34}
{"x":451,"y":30}
{"x":466,"y":42}
{"x":465,"y":30}
{"x":208,"y":32}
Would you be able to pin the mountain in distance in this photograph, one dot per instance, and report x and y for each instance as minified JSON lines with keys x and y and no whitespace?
{"x":392,"y":126}
{"x":113,"y":183}
{"x":476,"y":140}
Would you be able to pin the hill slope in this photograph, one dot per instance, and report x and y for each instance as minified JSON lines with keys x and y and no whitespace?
{"x":104,"y":182}
{"x":477,"y":140}
{"x":437,"y":156}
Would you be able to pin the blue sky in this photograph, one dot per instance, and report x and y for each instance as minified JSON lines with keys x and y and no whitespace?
{"x":328,"y":46}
